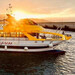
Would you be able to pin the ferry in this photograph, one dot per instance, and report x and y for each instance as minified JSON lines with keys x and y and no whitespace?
{"x":27,"y":36}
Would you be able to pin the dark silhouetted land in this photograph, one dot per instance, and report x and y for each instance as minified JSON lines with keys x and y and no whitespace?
{"x":67,"y":26}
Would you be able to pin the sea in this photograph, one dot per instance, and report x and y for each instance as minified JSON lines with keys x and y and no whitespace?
{"x":40,"y":64}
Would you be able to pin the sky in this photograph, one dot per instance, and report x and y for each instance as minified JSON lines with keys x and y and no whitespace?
{"x":52,"y":10}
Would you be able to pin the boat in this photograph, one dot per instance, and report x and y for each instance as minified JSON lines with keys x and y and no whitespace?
{"x":28,"y":36}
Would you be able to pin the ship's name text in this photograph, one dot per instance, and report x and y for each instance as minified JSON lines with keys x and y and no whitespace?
{"x":6,"y":43}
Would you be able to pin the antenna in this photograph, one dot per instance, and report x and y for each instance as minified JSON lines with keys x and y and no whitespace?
{"x":10,"y":9}
{"x":6,"y":11}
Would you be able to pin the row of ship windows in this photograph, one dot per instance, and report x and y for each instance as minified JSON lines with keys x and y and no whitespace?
{"x":12,"y":34}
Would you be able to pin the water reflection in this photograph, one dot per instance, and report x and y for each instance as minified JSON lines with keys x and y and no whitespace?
{"x":28,"y":64}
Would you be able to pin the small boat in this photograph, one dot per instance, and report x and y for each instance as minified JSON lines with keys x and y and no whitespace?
{"x":27,"y":36}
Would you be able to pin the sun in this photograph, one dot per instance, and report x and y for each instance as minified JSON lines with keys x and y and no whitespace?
{"x":19,"y":15}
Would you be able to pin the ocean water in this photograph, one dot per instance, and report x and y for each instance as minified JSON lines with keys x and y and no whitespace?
{"x":40,"y":64}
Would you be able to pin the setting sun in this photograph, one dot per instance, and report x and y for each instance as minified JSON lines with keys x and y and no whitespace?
{"x":19,"y":15}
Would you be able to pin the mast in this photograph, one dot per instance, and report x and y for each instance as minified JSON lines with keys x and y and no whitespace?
{"x":10,"y":9}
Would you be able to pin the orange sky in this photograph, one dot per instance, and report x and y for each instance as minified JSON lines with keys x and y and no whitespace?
{"x":52,"y":10}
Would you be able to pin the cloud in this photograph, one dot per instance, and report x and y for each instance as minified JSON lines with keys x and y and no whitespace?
{"x":64,"y":13}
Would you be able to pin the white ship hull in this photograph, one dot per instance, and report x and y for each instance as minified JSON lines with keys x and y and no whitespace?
{"x":23,"y":45}
{"x":26,"y":43}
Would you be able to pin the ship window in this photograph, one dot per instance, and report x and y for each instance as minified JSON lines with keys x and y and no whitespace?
{"x":17,"y":34}
{"x":2,"y":34}
{"x":7,"y":34}
{"x":13,"y":34}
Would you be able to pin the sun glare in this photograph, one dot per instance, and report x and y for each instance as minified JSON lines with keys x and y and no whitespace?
{"x":19,"y":15}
